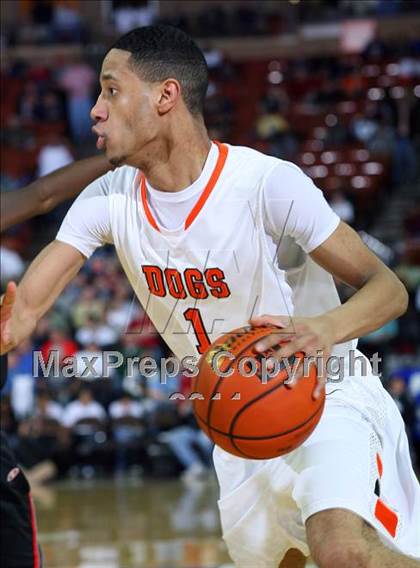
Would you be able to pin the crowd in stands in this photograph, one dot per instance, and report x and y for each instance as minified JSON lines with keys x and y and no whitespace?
{"x":351,"y":122}
{"x":88,"y":420}
{"x":63,"y":21}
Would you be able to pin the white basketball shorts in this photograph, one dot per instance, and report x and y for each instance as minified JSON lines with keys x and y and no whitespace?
{"x":357,"y":459}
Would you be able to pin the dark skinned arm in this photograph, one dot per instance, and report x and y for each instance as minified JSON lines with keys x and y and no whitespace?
{"x":47,"y":192}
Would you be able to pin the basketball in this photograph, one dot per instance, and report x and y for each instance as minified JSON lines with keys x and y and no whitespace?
{"x":245,"y":415}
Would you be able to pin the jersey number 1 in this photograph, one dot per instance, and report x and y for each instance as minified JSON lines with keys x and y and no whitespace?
{"x":193,"y":315}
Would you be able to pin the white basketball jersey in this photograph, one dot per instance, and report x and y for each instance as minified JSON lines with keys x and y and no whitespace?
{"x":222,"y":266}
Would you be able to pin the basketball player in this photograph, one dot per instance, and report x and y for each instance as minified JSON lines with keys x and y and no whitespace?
{"x":18,"y":542}
{"x":211,"y":235}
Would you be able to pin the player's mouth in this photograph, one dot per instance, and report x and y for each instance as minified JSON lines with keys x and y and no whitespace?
{"x":101,"y":141}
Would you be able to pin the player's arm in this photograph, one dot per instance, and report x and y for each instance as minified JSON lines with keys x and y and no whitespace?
{"x":296,"y":208}
{"x":47,"y":192}
{"x":86,"y":227}
{"x":46,"y":278}
{"x":380,"y":295}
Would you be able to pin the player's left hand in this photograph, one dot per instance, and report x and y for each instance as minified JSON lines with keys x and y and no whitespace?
{"x":313,"y":336}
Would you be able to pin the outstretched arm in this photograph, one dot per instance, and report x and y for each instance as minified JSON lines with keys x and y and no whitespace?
{"x":45,"y":279}
{"x":47,"y":192}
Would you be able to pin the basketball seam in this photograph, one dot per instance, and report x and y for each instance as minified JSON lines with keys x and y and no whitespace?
{"x":271,"y":436}
{"x":210,"y":406}
{"x":245,"y":406}
{"x":249,"y":456}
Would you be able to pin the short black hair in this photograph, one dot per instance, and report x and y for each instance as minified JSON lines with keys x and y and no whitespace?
{"x":162,"y":51}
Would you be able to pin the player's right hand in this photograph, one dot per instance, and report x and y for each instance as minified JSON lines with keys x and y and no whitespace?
{"x":8,"y":300}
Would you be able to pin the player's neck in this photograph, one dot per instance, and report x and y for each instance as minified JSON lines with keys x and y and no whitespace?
{"x":176,"y":161}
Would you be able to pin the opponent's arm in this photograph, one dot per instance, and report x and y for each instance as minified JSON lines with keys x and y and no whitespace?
{"x":47,"y":192}
{"x":45,"y":279}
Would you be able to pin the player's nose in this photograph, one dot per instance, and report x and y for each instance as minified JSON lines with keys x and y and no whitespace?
{"x":99,"y":111}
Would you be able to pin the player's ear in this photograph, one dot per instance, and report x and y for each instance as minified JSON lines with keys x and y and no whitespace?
{"x":169,"y":92}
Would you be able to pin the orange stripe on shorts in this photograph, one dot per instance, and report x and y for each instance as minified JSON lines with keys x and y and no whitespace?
{"x":379,"y":465}
{"x":387,"y":517}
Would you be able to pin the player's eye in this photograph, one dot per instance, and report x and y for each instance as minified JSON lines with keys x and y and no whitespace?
{"x":112,"y":91}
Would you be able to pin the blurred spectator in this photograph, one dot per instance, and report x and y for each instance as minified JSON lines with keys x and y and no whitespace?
{"x":28,"y":104}
{"x":12,"y":266}
{"x":7,"y":420}
{"x":87,"y":307}
{"x":189,"y":444}
{"x":39,"y":439}
{"x":342,"y":206}
{"x":98,"y":332}
{"x":42,"y":12}
{"x":58,"y":342}
{"x":337,"y":132}
{"x":84,"y":408}
{"x":50,"y":108}
{"x":397,"y":388}
{"x":283,"y":146}
{"x":72,"y":293}
{"x":145,"y":335}
{"x":20,"y":383}
{"x":351,"y":86}
{"x":165,"y":381}
{"x":128,"y":427}
{"x":120,"y":311}
{"x":214,"y":59}
{"x":330,"y":93}
{"x":192,"y":448}
{"x":46,"y":408}
{"x":270,"y":122}
{"x":78,"y":80}
{"x":55,"y":154}
{"x":380,"y":340}
{"x":89,"y":362}
{"x":129,"y":14}
{"x":364,"y":127}
{"x":375,"y":50}
{"x":67,"y":21}
{"x":380,"y":140}
{"x":404,"y":158}
{"x":125,"y":407}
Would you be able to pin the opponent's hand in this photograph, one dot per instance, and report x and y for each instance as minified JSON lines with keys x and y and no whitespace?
{"x":7,"y":302}
{"x":313,"y":336}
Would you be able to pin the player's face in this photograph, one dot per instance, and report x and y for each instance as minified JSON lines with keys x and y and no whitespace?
{"x":125,"y":113}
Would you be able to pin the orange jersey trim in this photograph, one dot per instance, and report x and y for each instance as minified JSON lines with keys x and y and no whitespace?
{"x":223,"y":152}
{"x":147,"y":212}
{"x":379,"y":465}
{"x":387,"y":517}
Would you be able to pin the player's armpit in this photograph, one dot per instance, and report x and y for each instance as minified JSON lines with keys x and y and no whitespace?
{"x":380,"y":295}
{"x":345,"y":256}
{"x":44,"y":280}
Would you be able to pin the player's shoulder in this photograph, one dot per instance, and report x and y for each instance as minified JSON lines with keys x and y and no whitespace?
{"x":245,"y":156}
{"x":264,"y":166}
{"x":122,"y":180}
{"x":118,"y":181}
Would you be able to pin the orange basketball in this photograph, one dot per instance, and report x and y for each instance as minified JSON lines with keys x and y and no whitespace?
{"x":244,"y":414}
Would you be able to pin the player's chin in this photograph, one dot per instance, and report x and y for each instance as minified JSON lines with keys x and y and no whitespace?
{"x":116,"y":160}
